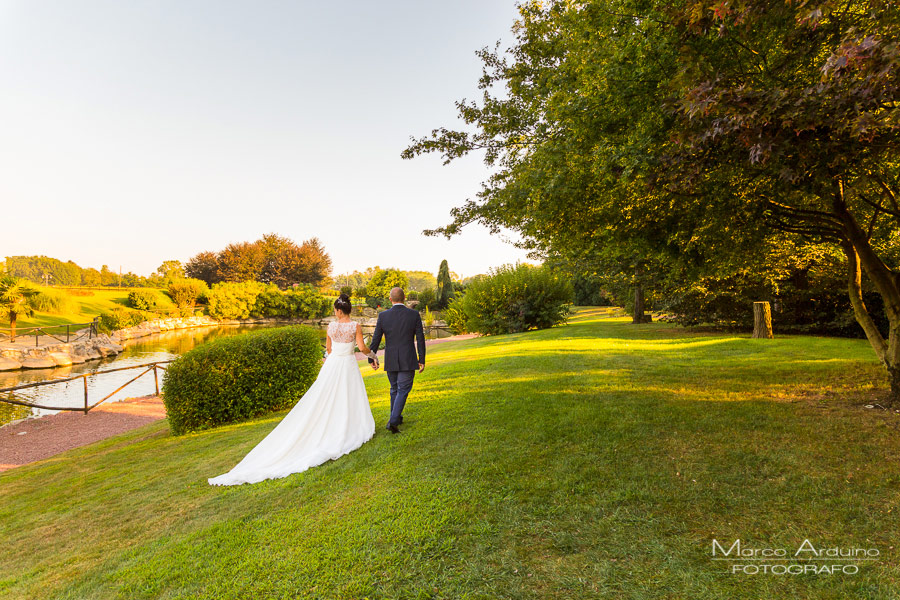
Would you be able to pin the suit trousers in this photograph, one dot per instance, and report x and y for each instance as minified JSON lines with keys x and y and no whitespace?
{"x":401,"y":384}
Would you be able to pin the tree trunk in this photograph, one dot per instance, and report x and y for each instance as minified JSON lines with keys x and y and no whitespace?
{"x":12,"y":327}
{"x":861,"y":256}
{"x":638,"y":316}
{"x":762,"y":321}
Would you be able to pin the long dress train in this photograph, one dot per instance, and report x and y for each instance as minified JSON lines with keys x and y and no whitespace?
{"x":332,"y":419}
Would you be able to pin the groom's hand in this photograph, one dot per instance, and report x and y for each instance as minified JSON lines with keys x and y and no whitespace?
{"x":421,"y":367}
{"x":374,"y":365}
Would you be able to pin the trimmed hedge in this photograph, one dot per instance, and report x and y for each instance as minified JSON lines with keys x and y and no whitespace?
{"x":240,"y":377}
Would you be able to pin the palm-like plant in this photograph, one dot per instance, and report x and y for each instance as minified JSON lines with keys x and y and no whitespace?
{"x":15,"y":299}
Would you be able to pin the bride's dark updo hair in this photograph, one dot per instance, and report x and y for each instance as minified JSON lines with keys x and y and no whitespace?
{"x":343,"y":304}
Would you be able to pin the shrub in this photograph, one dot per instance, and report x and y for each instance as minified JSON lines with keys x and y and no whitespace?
{"x":375,"y":302}
{"x":270,"y":303}
{"x":514,"y":298}
{"x":53,"y":301}
{"x":143,"y":299}
{"x":427,"y":300}
{"x":304,"y":302}
{"x":347,"y":290}
{"x":455,"y":317}
{"x":412,"y":295}
{"x":240,"y":377}
{"x":120,"y":318}
{"x":383,"y":280}
{"x":185,"y":292}
{"x":259,"y":301}
{"x":233,"y":300}
{"x":361,"y":292}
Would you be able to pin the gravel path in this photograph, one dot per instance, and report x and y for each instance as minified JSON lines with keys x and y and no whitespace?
{"x":31,"y":440}
{"x":36,"y":439}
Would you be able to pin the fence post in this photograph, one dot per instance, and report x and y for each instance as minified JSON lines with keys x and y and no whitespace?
{"x":67,"y":333}
{"x":84,"y":379}
{"x":156,"y":379}
{"x":37,"y":333}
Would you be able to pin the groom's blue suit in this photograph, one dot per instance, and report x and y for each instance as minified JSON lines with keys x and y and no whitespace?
{"x":403,"y":332}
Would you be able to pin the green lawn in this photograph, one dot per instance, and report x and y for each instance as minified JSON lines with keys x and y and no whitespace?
{"x":595,"y":460}
{"x":88,"y":307}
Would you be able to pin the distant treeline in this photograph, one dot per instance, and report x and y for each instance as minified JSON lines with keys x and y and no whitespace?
{"x":52,"y":271}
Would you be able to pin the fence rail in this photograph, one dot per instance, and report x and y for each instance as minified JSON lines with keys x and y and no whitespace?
{"x":67,"y":330}
{"x":148,"y":367}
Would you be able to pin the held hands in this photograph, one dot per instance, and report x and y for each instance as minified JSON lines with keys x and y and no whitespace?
{"x":421,"y":367}
{"x":375,"y":365}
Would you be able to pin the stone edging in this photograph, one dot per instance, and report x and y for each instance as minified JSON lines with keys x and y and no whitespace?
{"x":100,"y":346}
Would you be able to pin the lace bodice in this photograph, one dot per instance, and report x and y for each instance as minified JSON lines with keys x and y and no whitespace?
{"x":342,"y":333}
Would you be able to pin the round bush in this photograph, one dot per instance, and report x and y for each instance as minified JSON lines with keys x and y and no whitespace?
{"x":143,"y":299}
{"x":239,"y":377}
{"x":512,"y":299}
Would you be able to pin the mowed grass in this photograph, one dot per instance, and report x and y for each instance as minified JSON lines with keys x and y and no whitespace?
{"x":594,"y":460}
{"x":86,"y":308}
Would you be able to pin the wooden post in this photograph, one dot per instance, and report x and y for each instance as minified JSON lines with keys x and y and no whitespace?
{"x":156,"y":379}
{"x":85,"y":394}
{"x":762,"y":321}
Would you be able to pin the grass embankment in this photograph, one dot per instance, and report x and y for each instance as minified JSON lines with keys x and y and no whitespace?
{"x":596,"y":460}
{"x":85,"y":308}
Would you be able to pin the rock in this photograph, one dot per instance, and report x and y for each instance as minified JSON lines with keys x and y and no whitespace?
{"x":60,"y":359}
{"x":8,"y":364}
{"x":44,"y":362}
{"x":107,"y":350}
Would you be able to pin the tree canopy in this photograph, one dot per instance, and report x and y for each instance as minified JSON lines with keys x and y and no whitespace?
{"x":694,"y":137}
{"x":270,"y":259}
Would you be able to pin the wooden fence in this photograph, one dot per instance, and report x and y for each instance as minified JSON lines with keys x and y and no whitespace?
{"x":148,"y":367}
{"x":55,"y":331}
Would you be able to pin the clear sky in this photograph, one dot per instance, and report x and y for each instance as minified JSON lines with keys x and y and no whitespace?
{"x":139,"y":131}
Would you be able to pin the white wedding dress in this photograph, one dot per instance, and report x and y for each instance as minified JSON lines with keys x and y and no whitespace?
{"x":332,"y":419}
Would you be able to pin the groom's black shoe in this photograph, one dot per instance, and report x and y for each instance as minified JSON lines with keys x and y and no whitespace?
{"x":393,"y":429}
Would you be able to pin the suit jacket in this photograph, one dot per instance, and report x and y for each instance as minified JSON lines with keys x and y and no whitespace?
{"x":401,"y":327}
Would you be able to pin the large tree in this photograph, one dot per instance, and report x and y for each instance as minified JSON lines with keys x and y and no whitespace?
{"x":204,"y":266}
{"x":270,"y":259}
{"x":701,"y":132}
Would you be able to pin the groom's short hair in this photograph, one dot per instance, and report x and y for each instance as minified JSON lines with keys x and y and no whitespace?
{"x":397,"y":295}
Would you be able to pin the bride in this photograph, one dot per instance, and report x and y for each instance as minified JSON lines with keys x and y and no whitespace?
{"x":332,"y":418}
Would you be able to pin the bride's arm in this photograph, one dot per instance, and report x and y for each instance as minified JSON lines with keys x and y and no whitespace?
{"x":327,"y":343}
{"x":361,"y":343}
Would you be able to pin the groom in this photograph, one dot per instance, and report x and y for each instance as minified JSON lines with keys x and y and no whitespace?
{"x":399,"y":326}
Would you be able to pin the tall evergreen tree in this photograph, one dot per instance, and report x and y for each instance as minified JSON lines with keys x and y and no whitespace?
{"x":444,"y":285}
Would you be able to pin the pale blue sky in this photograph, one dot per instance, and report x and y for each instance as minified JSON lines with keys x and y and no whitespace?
{"x":132,"y":132}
